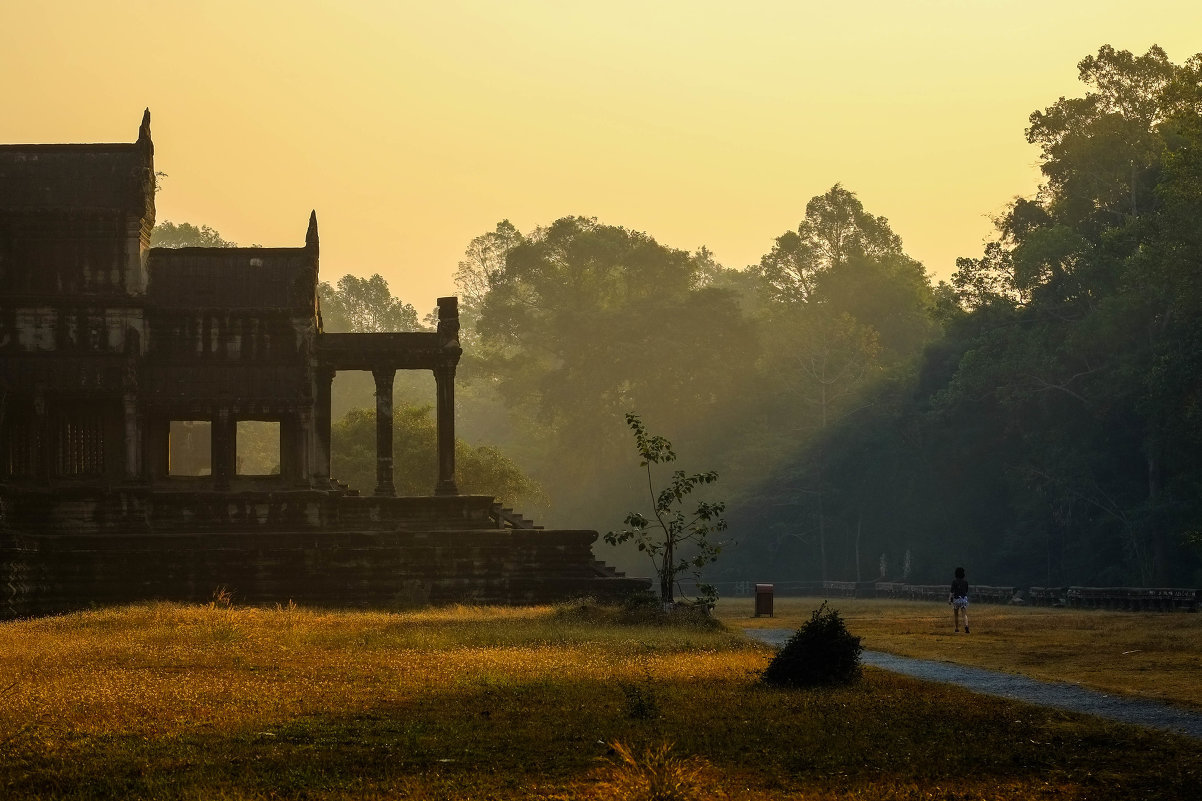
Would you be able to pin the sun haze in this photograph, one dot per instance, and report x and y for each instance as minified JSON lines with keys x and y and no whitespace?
{"x":412,"y":127}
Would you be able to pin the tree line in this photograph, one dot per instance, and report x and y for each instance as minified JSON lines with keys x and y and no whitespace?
{"x":1035,"y":417}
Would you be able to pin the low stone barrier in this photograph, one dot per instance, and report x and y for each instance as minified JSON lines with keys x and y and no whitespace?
{"x":1047,"y":596}
{"x":1135,"y":599}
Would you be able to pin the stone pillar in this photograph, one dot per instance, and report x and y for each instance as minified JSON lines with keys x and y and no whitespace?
{"x":156,"y":453}
{"x":384,"y":485}
{"x":45,"y":446}
{"x":322,"y":422}
{"x":224,"y":449}
{"x":133,"y":439}
{"x":304,"y":447}
{"x":444,"y":380}
{"x":290,"y":444}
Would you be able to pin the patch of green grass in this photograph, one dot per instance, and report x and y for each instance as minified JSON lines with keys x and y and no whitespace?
{"x":144,"y":702}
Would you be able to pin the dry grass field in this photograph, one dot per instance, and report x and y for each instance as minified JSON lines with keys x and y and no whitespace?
{"x":1155,"y":655}
{"x":166,"y":701}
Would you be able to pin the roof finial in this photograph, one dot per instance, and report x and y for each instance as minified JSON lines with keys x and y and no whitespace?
{"x":311,"y":234}
{"x":144,"y":140}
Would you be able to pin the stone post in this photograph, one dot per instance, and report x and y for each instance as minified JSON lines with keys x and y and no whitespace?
{"x":322,"y":422}
{"x":290,"y":448}
{"x":224,"y":449}
{"x":304,"y":449}
{"x":444,"y":380}
{"x":384,"y":485}
{"x":133,"y":439}
{"x":156,"y":447}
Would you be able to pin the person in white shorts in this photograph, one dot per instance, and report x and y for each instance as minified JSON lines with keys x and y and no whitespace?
{"x":958,"y":598}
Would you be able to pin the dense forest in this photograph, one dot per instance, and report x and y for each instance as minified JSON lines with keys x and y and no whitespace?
{"x":1035,"y":419}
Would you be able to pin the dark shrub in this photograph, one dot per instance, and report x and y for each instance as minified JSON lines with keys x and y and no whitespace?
{"x":822,"y":652}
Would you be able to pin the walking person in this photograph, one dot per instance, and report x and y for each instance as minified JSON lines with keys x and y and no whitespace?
{"x":958,"y":598}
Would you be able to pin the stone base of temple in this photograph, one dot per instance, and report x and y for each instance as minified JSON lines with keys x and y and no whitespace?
{"x":97,"y":548}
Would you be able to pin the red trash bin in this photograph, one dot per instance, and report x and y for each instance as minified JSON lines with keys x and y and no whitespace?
{"x":763,"y":600}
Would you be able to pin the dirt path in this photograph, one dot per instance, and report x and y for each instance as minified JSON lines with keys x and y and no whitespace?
{"x":1060,"y":696}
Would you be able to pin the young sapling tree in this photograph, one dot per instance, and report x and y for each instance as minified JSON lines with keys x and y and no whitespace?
{"x":678,"y":542}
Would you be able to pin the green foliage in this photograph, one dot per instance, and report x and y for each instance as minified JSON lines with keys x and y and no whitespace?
{"x":835,"y":231}
{"x":167,"y":234}
{"x":582,"y":320}
{"x":677,"y":542}
{"x":821,"y":653}
{"x":1037,"y":416}
{"x":1051,"y":436}
{"x":484,"y":262}
{"x":364,"y":305}
{"x":480,"y":470}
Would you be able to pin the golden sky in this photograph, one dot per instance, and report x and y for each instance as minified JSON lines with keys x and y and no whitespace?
{"x":412,"y":127}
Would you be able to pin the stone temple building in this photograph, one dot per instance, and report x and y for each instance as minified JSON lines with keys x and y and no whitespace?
{"x":111,"y":350}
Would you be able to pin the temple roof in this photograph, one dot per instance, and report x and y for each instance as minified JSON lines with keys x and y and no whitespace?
{"x":232,"y":278}
{"x":74,"y":177}
{"x":114,"y":177}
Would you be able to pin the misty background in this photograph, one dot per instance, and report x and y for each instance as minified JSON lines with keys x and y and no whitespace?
{"x":1034,"y":417}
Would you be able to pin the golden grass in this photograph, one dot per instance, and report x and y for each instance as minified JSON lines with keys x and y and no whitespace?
{"x":1146,"y":655}
{"x":167,"y":701}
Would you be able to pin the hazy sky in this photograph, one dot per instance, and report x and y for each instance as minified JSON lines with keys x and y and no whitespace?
{"x":412,"y":127}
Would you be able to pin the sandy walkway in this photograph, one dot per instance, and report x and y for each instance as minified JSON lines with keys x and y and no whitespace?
{"x":1054,"y":694}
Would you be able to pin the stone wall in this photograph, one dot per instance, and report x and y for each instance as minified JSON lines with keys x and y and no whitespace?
{"x":358,"y":569}
{"x":83,"y":547}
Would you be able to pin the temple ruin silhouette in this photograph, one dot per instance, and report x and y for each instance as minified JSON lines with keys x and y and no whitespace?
{"x":109,"y":349}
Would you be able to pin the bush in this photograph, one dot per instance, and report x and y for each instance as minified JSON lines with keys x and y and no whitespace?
{"x":821,"y":653}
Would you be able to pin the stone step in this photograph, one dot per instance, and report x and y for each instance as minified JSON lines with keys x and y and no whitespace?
{"x":42,"y":574}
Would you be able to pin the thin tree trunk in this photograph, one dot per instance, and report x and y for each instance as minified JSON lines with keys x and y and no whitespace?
{"x":821,"y":534}
{"x":859,"y":529}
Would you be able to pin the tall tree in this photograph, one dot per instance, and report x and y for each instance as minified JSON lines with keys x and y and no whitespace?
{"x":484,"y":261}
{"x":848,"y":304}
{"x":582,"y":321}
{"x":1087,"y":373}
{"x":167,"y":234}
{"x":835,"y":230}
{"x":364,"y":305}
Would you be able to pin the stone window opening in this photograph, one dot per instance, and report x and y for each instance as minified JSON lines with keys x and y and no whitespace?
{"x":190,"y":448}
{"x":258,"y":448}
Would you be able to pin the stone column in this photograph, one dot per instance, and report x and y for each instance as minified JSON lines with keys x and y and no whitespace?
{"x":384,"y":485}
{"x":304,"y":448}
{"x":322,"y":421}
{"x":224,"y":449}
{"x":290,"y":445}
{"x":156,"y":447}
{"x":444,"y":380}
{"x":133,"y":439}
{"x":45,"y":447}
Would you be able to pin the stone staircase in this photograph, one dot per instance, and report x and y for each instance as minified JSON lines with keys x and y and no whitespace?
{"x":312,"y":548}
{"x":505,"y":518}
